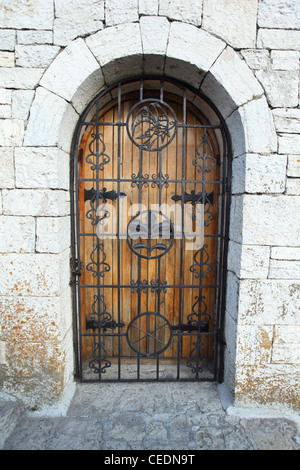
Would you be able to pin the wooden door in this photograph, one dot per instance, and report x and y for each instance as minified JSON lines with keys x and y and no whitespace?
{"x":147,"y":295}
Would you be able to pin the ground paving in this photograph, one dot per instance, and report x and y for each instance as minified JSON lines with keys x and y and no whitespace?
{"x":151,"y":416}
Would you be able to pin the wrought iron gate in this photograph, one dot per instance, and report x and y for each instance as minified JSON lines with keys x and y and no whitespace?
{"x":150,"y":201}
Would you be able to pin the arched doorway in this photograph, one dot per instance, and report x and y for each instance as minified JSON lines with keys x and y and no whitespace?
{"x":150,"y":186}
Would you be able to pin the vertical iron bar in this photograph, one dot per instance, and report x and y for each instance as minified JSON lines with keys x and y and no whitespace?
{"x":97,"y":239}
{"x":118,"y":229}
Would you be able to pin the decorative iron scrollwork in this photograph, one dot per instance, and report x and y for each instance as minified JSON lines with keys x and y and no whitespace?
{"x":151,"y":125}
{"x":204,"y":160}
{"x":98,"y":267}
{"x":145,"y":226}
{"x":201,"y":266}
{"x":94,"y":157}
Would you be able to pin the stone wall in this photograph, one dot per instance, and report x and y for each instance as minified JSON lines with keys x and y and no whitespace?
{"x":55,"y":55}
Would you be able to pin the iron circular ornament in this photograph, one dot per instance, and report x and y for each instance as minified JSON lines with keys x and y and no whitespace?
{"x":151,"y":124}
{"x":150,"y":226}
{"x":152,"y":327}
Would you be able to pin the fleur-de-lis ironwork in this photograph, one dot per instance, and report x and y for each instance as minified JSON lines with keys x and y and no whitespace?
{"x":97,"y":160}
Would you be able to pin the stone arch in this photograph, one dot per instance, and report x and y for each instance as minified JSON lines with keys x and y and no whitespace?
{"x":179,"y":50}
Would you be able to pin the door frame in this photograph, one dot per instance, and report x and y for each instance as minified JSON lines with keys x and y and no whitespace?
{"x":76,"y":267}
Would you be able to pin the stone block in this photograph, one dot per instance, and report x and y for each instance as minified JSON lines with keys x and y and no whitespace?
{"x":27,"y":15}
{"x":7,"y":174}
{"x":121,"y":11}
{"x":256,"y":59}
{"x":37,"y":275}
{"x":287,"y":120}
{"x":193,"y":46}
{"x":35,"y":55}
{"x":254,"y":344}
{"x":269,"y":302}
{"x":284,"y":39}
{"x":82,"y":8}
{"x":73,"y":65}
{"x":247,"y":261}
{"x":230,"y":83}
{"x":21,"y":102}
{"x":265,"y":220}
{"x":115,"y":42}
{"x":286,"y":345}
{"x":18,"y":234}
{"x":259,"y":174}
{"x":36,"y":202}
{"x":281,"y":87}
{"x":187,"y":12}
{"x":7,"y":39}
{"x":284,"y":269}
{"x":252,"y":129}
{"x":23,"y":78}
{"x":232,"y":295}
{"x":11,"y":132}
{"x":285,"y":253}
{"x":5,"y":96}
{"x":52,"y":234}
{"x":69,"y":28}
{"x":52,"y":121}
{"x":34,"y":37}
{"x":154,"y":33}
{"x":293,"y":186}
{"x":285,"y":60}
{"x":148,"y":7}
{"x":232,"y":20}
{"x":41,"y":167}
{"x":293,"y":168}
{"x":230,"y":333}
{"x":289,"y":144}
{"x":7,"y":59}
{"x":5,"y":111}
{"x":279,"y":14}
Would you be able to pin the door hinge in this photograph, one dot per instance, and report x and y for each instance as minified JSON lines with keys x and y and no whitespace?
{"x":76,"y":269}
{"x":92,"y":324}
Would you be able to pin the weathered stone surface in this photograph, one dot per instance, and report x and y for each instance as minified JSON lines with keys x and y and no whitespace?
{"x":187,"y":12}
{"x":11,"y":132}
{"x":35,"y":202}
{"x":73,"y":65}
{"x":232,"y":20}
{"x":69,"y":28}
{"x":232,"y":293}
{"x":148,"y":7}
{"x":259,"y":173}
{"x":264,"y":220}
{"x":53,"y":234}
{"x":5,"y":111}
{"x":7,"y":175}
{"x":279,"y":14}
{"x":43,"y":167}
{"x":121,"y":11}
{"x":289,"y":144}
{"x":256,"y":59}
{"x":18,"y":234}
{"x":35,"y":55}
{"x":7,"y":39}
{"x":7,"y":59}
{"x":5,"y":96}
{"x":252,"y":129}
{"x":293,"y":168}
{"x":269,"y":302}
{"x":154,"y":33}
{"x":34,"y":37}
{"x":287,"y":120}
{"x":21,"y":102}
{"x":249,"y":262}
{"x":115,"y":42}
{"x":52,"y":121}
{"x":286,"y":345}
{"x":284,"y":252}
{"x":293,"y":186}
{"x":193,"y":45}
{"x":20,"y":77}
{"x":281,"y":87}
{"x":254,"y":345}
{"x":36,"y":14}
{"x":278,"y":39}
{"x":284,"y":269}
{"x":285,"y":60}
{"x":46,"y":274}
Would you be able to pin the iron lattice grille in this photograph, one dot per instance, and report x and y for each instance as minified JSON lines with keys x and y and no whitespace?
{"x":154,"y":120}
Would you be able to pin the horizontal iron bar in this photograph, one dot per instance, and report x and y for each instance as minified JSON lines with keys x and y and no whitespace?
{"x":160,"y":379}
{"x":150,"y":180}
{"x":177,"y":286}
{"x":123,"y":124}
